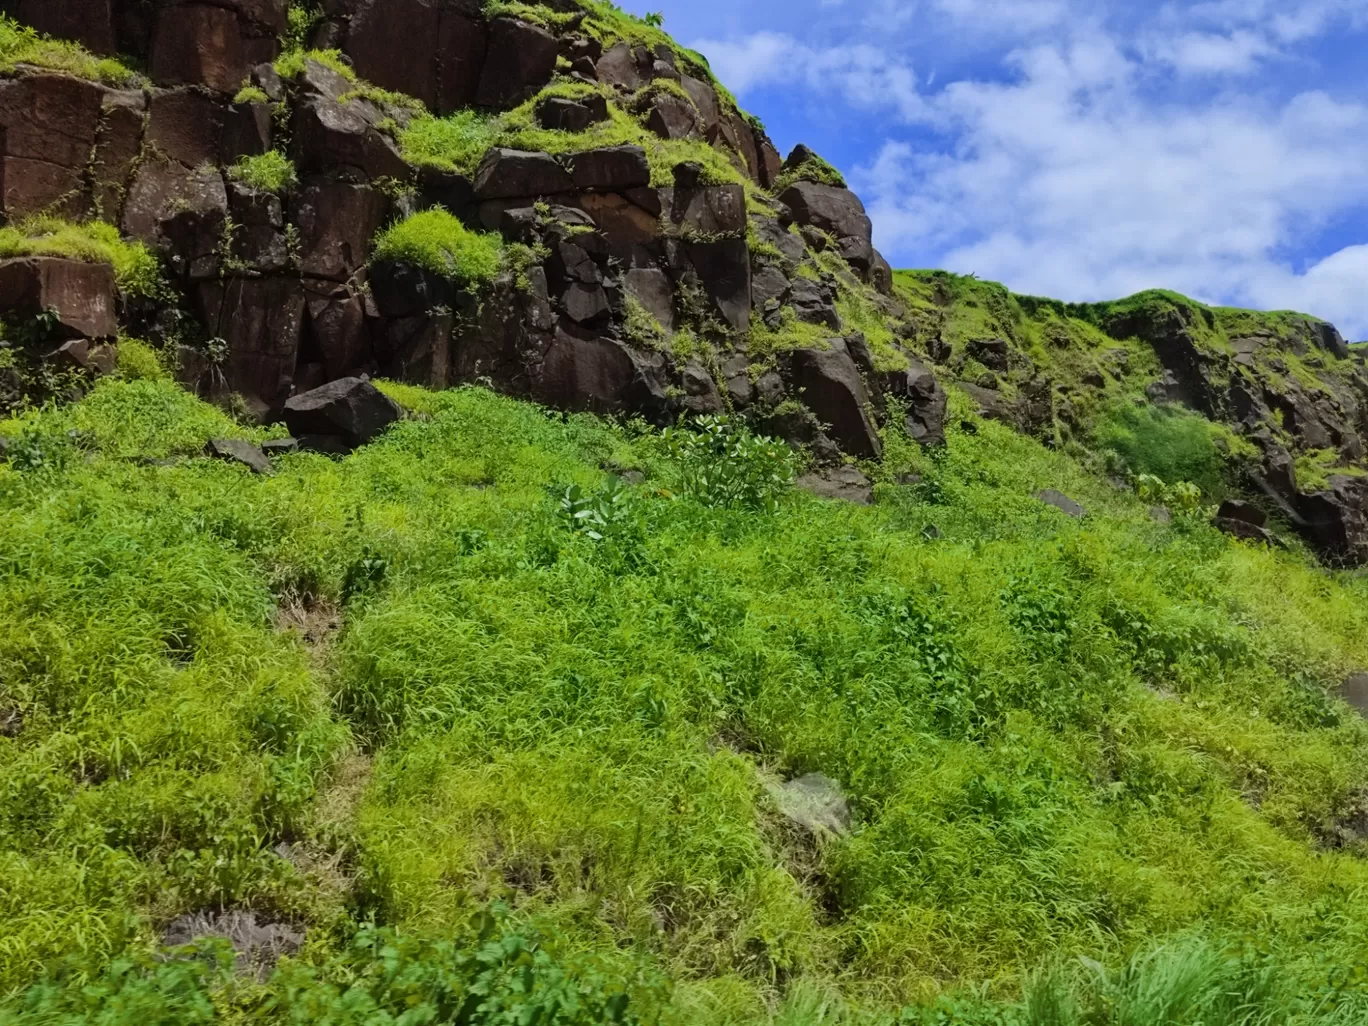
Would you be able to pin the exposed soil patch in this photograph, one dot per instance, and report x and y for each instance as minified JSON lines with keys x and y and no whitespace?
{"x":315,"y":621}
{"x":259,"y":944}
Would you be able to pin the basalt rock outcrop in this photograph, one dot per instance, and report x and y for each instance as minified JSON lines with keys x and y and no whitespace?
{"x":274,"y":294}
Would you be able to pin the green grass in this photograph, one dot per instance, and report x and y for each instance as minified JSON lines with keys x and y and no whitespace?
{"x":20,"y":44}
{"x":136,"y":269}
{"x":459,"y":141}
{"x":438,"y":242}
{"x":271,"y":171}
{"x":1061,"y":738}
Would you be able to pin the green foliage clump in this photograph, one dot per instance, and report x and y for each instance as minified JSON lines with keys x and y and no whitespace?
{"x":137,"y":270}
{"x":723,"y":464}
{"x":438,"y":242}
{"x":271,"y":171}
{"x":251,"y":94}
{"x":813,"y":169}
{"x":459,"y":141}
{"x":20,"y":44}
{"x":1168,"y":443}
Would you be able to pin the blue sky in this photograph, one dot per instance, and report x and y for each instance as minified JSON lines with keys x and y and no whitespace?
{"x":1082,"y":150}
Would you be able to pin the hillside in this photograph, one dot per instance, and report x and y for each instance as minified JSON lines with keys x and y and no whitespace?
{"x":485,"y":540}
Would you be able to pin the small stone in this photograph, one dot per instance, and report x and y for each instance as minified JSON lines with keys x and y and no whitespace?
{"x":235,"y":450}
{"x":280,"y":446}
{"x":845,"y":483}
{"x":1354,"y":690}
{"x":1061,"y":502}
{"x":813,"y":801}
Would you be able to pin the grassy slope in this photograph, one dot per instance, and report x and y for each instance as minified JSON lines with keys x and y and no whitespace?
{"x":1060,"y":738}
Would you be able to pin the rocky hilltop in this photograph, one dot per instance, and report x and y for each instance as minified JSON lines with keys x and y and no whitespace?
{"x":559,"y":201}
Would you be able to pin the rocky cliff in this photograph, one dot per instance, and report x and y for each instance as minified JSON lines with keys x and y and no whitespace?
{"x":559,"y":201}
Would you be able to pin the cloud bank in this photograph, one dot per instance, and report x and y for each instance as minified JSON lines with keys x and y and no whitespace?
{"x":1210,"y":147}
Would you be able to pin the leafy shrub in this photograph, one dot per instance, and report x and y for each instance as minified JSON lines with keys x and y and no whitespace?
{"x":271,"y":171}
{"x":1172,"y":445}
{"x":438,"y":242}
{"x":724,"y":464}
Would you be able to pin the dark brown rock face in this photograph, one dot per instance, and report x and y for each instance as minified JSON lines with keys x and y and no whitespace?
{"x":829,"y":384}
{"x":509,"y":174}
{"x":521,"y":60}
{"x":835,"y":210}
{"x":336,"y":222}
{"x":601,"y":375}
{"x":48,"y":128}
{"x":80,"y":295}
{"x":260,"y":319}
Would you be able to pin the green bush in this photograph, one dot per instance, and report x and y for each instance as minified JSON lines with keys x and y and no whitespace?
{"x":438,"y":242}
{"x":724,"y":464}
{"x":1164,"y":442}
{"x":271,"y":171}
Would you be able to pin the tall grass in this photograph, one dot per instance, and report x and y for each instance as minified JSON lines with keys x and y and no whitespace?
{"x":1060,"y":739}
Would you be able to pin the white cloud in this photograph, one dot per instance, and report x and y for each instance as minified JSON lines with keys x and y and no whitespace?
{"x":1115,"y":148}
{"x":862,"y":74}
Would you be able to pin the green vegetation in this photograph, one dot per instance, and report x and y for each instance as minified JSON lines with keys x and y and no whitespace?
{"x":814,"y":169}
{"x":251,"y":94}
{"x":19,"y":44}
{"x":136,"y":269}
{"x":1171,"y":444}
{"x":459,"y":141}
{"x":438,"y":242}
{"x":1105,"y":738}
{"x":271,"y":171}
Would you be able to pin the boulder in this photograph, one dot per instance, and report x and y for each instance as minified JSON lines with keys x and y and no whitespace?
{"x":336,"y":222}
{"x":723,"y":269}
{"x":600,"y":375}
{"x":651,"y":287}
{"x":925,"y":401}
{"x":48,"y":126}
{"x":181,"y":212}
{"x":673,"y":117}
{"x":1062,"y":502}
{"x":260,"y":321}
{"x":700,"y":391}
{"x":624,"y":67}
{"x":415,"y":350}
{"x":585,"y":303}
{"x":708,"y":210}
{"x":236,"y":450}
{"x":351,"y":409}
{"x":248,"y":131}
{"x":186,"y":126}
{"x":329,"y":135}
{"x":336,"y":330}
{"x":81,"y":295}
{"x":259,"y":242}
{"x":1336,"y":519}
{"x":828,"y":383}
{"x":736,"y":380}
{"x":846,"y":484}
{"x":394,"y":44}
{"x":1245,"y":512}
{"x":559,"y":114}
{"x":704,"y":98}
{"x":790,"y":247}
{"x":1354,"y":691}
{"x":516,"y":174}
{"x":991,"y":352}
{"x":768,"y":162}
{"x":610,"y":169}
{"x":520,"y":61}
{"x":814,"y":302}
{"x":118,"y":146}
{"x":403,"y":290}
{"x":837,"y":211}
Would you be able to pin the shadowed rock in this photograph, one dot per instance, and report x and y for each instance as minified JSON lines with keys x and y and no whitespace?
{"x":1061,"y":502}
{"x":350,"y":409}
{"x":828,"y":383}
{"x":79,"y":295}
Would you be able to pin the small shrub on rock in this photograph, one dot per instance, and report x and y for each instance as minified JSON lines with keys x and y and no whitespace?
{"x":438,"y":242}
